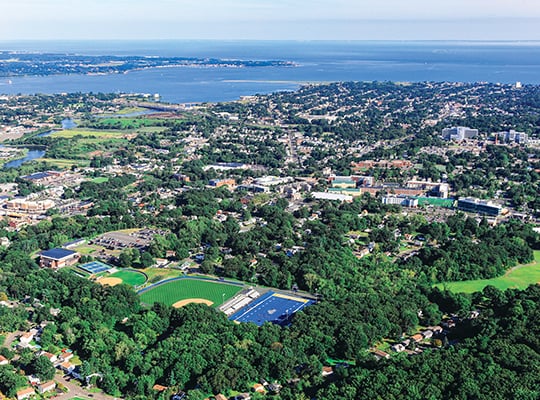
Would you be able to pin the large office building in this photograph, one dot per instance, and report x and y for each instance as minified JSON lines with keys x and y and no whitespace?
{"x":400,"y":200}
{"x":479,"y":206}
{"x":459,"y":133}
{"x":512,"y":136}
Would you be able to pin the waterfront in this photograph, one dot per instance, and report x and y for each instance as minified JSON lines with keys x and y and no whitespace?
{"x":504,"y":62}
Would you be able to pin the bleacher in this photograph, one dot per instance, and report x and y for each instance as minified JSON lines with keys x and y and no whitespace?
{"x":239,"y":301}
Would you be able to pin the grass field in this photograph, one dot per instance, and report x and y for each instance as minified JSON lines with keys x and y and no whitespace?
{"x":132,"y":278}
{"x":172,"y":292}
{"x":100,"y":179}
{"x":69,"y":133}
{"x":65,"y":163}
{"x":519,"y":277}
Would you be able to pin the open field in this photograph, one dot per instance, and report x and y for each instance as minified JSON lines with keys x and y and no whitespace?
{"x":100,"y":179}
{"x":70,"y":133}
{"x":152,"y":129}
{"x":130,"y":277}
{"x":65,"y":163}
{"x":129,"y":123}
{"x":519,"y":277}
{"x":172,"y":292}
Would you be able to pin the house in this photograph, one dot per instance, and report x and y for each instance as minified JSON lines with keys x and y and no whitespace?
{"x":220,"y":397}
{"x":3,"y":360}
{"x":242,"y":396}
{"x":327,"y":371}
{"x":258,"y":388}
{"x":274,"y":387}
{"x":427,"y":334}
{"x":26,"y":338}
{"x":66,"y":355}
{"x":46,"y":387}
{"x":159,"y":388}
{"x":67,"y":367}
{"x":398,"y":348}
{"x":25,"y":393}
{"x":58,"y":258}
{"x":436,"y":329}
{"x":379,"y":354}
{"x":417,"y":338}
{"x":52,"y":358}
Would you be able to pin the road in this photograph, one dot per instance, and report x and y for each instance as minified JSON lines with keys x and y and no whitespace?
{"x":75,"y":390}
{"x":10,"y":338}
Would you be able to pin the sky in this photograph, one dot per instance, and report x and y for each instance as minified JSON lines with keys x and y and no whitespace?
{"x":271,"y":19}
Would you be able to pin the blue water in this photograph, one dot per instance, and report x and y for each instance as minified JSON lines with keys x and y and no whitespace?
{"x":504,"y":62}
{"x":32,"y":154}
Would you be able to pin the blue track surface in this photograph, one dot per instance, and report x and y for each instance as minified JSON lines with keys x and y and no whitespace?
{"x":271,"y":307}
{"x":95,"y":267}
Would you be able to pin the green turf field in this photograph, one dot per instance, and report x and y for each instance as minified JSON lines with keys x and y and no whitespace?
{"x":132,"y":278}
{"x":519,"y":277}
{"x":435,"y":201}
{"x":171,"y":292}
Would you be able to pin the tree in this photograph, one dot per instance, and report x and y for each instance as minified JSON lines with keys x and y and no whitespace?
{"x":126,"y":258}
{"x":43,"y":368}
{"x":147,"y":260}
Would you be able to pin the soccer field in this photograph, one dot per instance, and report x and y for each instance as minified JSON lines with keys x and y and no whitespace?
{"x":175,"y":291}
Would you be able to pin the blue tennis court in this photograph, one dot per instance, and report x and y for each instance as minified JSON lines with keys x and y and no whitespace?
{"x":95,"y":267}
{"x":271,"y":307}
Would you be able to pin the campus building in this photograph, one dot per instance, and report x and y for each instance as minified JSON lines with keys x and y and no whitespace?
{"x":479,"y":206}
{"x":459,"y":133}
{"x":400,"y":200}
{"x":58,"y":258}
{"x":512,"y":136}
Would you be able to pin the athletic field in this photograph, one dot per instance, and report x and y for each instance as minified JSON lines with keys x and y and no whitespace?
{"x":133,"y":278}
{"x":271,"y":307}
{"x":519,"y":277}
{"x":177,"y":291}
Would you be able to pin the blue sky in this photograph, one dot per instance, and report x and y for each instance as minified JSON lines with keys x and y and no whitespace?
{"x":271,"y":19}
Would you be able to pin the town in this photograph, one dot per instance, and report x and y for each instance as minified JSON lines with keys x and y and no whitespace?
{"x":263,"y":248}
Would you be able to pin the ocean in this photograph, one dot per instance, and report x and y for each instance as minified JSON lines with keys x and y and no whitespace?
{"x":318,"y":61}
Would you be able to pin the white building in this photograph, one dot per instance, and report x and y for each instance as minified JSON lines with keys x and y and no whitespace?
{"x":459,"y":133}
{"x":400,"y":200}
{"x":512,"y":136}
{"x":332,"y":196}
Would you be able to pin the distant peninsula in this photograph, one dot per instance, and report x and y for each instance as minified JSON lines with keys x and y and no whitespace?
{"x":25,"y":63}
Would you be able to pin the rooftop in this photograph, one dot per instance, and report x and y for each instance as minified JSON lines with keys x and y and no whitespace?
{"x":57,"y":253}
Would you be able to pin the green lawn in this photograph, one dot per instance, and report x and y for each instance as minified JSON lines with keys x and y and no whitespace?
{"x":171,"y":292}
{"x":132,"y":278}
{"x":519,"y":277}
{"x":100,"y":179}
